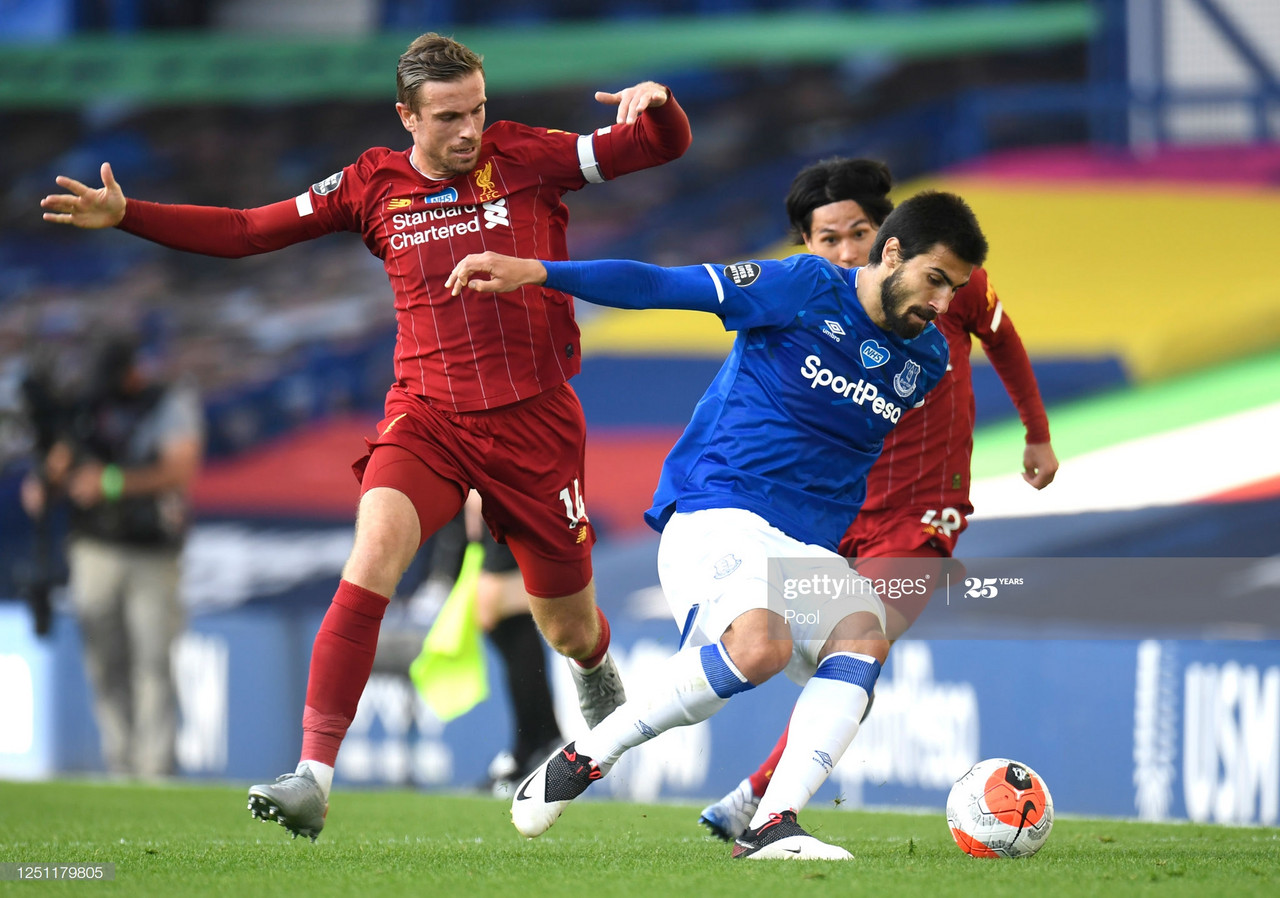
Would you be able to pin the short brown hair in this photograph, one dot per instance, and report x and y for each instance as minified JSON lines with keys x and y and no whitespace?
{"x":433,"y":57}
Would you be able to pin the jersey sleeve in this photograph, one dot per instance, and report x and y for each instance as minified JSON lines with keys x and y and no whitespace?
{"x":771,"y":292}
{"x":327,"y":206}
{"x":571,"y":160}
{"x":336,"y":203}
{"x":969,"y":306}
{"x":1008,"y":357}
{"x":743,"y":295}
{"x":659,"y":135}
{"x":552,"y":153}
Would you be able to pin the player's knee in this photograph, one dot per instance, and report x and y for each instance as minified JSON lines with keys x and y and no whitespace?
{"x":759,"y":659}
{"x":387,"y":537}
{"x":377,"y":564}
{"x":571,"y":637}
{"x":861,"y":633}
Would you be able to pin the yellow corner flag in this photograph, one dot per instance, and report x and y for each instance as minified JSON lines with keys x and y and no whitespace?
{"x":449,"y":673}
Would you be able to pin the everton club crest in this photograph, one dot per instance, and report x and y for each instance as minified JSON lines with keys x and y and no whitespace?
{"x":904,"y":382}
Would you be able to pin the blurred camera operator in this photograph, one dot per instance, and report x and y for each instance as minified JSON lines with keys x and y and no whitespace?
{"x":126,"y":460}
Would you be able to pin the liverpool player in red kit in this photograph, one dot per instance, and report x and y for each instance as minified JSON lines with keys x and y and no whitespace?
{"x":918,"y":490}
{"x":481,"y":398}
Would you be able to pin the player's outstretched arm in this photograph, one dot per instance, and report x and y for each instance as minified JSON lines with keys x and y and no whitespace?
{"x":651,"y":130}
{"x":632,"y":101}
{"x":210,"y":230}
{"x":1003,"y":346}
{"x":1039,"y":464}
{"x":84,"y":206}
{"x":491,"y":272}
{"x":619,"y":283}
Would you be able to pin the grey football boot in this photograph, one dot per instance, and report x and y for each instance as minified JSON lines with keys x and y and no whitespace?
{"x":294,"y":800}
{"x":600,"y":689}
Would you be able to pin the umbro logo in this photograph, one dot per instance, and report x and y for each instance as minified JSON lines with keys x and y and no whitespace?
{"x":833,"y":329}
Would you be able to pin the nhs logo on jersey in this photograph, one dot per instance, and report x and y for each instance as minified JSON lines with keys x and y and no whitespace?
{"x":833,"y":329}
{"x":873,"y":354}
{"x":448,"y":195}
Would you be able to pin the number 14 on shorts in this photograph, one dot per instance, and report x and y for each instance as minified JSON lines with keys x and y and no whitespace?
{"x":575,"y":509}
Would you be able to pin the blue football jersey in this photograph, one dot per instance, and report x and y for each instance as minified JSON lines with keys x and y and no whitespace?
{"x":799,"y":411}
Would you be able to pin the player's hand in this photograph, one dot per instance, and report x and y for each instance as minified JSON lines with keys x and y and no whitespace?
{"x":32,"y":495}
{"x":85,"y":206}
{"x":634,"y":100}
{"x":1039,"y":465}
{"x":494,"y":273}
{"x":84,"y":486}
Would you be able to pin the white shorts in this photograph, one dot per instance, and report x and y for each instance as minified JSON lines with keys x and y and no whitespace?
{"x":716,"y":564}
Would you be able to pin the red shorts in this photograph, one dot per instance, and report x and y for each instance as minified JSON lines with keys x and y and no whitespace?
{"x":887,"y":532}
{"x":906,"y":544}
{"x":526,"y":460}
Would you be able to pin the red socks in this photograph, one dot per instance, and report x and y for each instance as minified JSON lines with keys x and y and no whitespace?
{"x":760,"y":779}
{"x":602,"y":644}
{"x":341,"y":661}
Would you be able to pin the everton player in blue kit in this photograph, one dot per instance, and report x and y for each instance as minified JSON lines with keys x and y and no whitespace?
{"x":755,"y":496}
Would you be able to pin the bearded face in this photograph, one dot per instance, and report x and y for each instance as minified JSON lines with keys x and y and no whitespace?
{"x":905,"y":313}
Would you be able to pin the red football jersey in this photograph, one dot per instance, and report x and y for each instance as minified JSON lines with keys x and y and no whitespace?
{"x":477,"y":350}
{"x":926,"y":457}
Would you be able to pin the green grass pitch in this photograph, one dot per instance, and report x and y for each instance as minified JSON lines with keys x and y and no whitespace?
{"x":185,"y":840}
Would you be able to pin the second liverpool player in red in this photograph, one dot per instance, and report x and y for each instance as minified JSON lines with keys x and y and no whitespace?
{"x":481,"y":397}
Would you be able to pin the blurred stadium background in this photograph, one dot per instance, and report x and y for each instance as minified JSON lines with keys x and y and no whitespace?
{"x":1121,"y":154}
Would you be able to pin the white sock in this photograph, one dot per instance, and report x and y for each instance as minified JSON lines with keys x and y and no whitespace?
{"x":691,"y":686}
{"x":323,"y":774}
{"x":823,"y":724}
